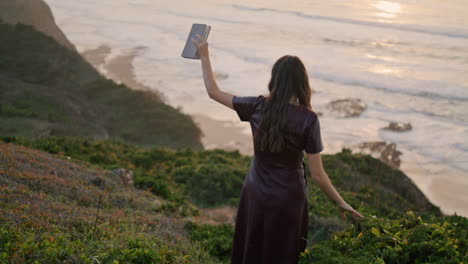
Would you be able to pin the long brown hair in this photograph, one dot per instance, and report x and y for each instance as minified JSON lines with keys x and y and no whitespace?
{"x":288,"y":78}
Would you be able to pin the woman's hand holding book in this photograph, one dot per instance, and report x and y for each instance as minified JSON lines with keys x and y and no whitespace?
{"x":202,"y":46}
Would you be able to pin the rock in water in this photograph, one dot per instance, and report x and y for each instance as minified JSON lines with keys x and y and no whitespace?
{"x":382,"y":150}
{"x":349,"y":107}
{"x":398,"y":127}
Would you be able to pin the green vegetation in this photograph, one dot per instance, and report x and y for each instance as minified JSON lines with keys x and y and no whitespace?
{"x":401,"y":226}
{"x":21,"y":244}
{"x":49,"y":90}
{"x":405,"y":240}
{"x":207,"y":178}
{"x":370,"y":186}
{"x":58,"y":211}
{"x":216,"y":240}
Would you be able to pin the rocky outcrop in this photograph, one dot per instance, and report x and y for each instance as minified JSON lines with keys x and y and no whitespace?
{"x":35,"y":13}
{"x":385,"y":151}
{"x":398,"y":127}
{"x":349,"y":107}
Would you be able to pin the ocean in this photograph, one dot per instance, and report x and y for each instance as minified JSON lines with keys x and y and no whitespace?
{"x":406,"y":60}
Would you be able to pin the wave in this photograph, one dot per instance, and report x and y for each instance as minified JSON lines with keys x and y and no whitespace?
{"x":429,"y":89}
{"x":434,"y":90}
{"x":400,"y":47}
{"x":402,"y":27}
{"x":396,"y":85}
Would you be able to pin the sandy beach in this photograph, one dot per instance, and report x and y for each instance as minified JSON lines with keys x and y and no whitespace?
{"x":118,"y":68}
{"x":224,"y":135}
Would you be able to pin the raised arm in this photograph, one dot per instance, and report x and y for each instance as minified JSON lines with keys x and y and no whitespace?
{"x":321,"y":179}
{"x":212,"y":88}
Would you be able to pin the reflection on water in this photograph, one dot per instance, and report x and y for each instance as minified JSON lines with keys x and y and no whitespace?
{"x":383,"y":58}
{"x":384,"y":69}
{"x":387,"y":9}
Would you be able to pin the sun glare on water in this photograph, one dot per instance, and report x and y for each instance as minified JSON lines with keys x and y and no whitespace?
{"x":385,"y":70}
{"x":387,"y":9}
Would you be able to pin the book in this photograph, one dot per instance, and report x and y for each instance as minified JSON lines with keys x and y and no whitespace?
{"x":190,"y":50}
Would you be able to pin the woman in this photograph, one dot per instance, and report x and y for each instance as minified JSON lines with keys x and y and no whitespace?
{"x":271,"y":221}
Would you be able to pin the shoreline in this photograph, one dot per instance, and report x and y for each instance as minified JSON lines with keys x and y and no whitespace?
{"x":119,"y":68}
{"x":215,"y":132}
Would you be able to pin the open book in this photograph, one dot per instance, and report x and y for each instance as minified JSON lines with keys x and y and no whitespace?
{"x":190,"y":50}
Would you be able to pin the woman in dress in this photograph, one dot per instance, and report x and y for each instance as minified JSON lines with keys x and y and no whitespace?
{"x":271,"y":221}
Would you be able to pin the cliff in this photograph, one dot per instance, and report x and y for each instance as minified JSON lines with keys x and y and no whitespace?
{"x":35,"y":13}
{"x":49,"y":90}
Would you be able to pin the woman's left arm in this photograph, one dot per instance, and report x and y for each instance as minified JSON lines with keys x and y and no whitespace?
{"x":208,"y":77}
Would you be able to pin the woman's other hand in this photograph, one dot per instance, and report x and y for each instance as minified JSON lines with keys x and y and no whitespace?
{"x":202,"y":46}
{"x":321,"y":179}
{"x":344,"y":207}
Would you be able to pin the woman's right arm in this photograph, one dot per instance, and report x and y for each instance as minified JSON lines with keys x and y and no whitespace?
{"x":321,"y":179}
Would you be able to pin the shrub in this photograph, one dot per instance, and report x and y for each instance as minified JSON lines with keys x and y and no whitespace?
{"x":405,"y":240}
{"x":216,"y":240}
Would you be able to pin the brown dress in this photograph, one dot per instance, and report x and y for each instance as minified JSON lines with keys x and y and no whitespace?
{"x":272,"y":218}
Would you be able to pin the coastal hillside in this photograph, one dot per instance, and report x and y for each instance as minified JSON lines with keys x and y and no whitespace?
{"x":55,"y":210}
{"x":47,"y":89}
{"x":35,"y":13}
{"x":152,"y":204}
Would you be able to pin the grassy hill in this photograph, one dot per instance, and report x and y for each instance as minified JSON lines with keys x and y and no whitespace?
{"x":49,"y":90}
{"x":59,"y":211}
{"x":157,"y":222}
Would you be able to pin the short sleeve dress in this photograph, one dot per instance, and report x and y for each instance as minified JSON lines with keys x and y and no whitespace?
{"x":272,"y":218}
